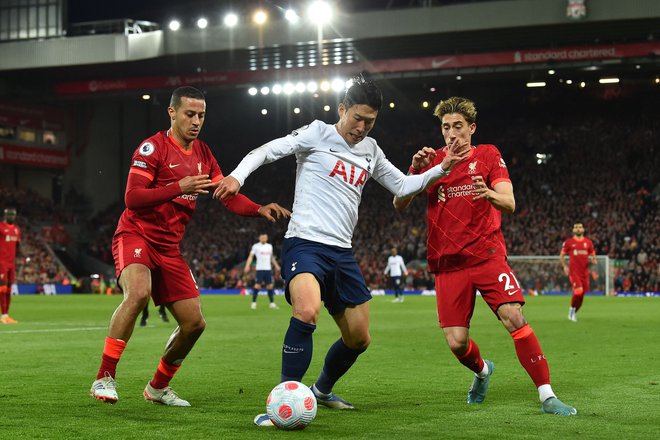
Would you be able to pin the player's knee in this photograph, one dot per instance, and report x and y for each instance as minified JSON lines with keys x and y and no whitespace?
{"x":307,"y":314}
{"x":457,"y":344}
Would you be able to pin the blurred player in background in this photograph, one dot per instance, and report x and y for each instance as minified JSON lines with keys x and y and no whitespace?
{"x":10,"y":238}
{"x":263,"y":252}
{"x":168,"y":172}
{"x":334,"y":164}
{"x":466,"y":251}
{"x":162,"y":312}
{"x":395,"y":269}
{"x":578,"y":248}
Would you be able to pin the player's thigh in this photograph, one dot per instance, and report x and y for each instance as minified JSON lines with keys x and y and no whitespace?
{"x":455,"y":298}
{"x":135,"y":281}
{"x":497,"y":283}
{"x":353,"y":323}
{"x":304,"y":294}
{"x":173,"y":281}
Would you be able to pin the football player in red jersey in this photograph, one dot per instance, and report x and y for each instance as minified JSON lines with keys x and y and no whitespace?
{"x":10,"y":237}
{"x":578,"y":248}
{"x":168,"y":171}
{"x":466,"y":252}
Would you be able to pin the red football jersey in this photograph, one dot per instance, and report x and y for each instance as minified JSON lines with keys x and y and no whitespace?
{"x":164,"y":162}
{"x":10,"y":235}
{"x":578,"y":252}
{"x":464,"y":232}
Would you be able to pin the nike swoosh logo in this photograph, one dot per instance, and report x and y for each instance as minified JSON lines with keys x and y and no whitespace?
{"x":436,"y":64}
{"x":334,"y":151}
{"x":514,"y":292}
{"x":174,"y":165}
{"x":290,"y":352}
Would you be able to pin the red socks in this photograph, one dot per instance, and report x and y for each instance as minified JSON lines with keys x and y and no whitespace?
{"x":5,"y":299}
{"x":530,"y":355}
{"x":576,"y":301}
{"x":164,"y":374}
{"x":112,"y":351}
{"x":472,"y":358}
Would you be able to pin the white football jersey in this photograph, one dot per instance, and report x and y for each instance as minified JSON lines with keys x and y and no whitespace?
{"x":330,"y":177}
{"x":395,"y":266}
{"x":263,"y":254}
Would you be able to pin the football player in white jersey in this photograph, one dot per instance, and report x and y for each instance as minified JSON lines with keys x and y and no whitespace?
{"x":333,"y":164}
{"x":263,"y":252}
{"x":395,"y":268}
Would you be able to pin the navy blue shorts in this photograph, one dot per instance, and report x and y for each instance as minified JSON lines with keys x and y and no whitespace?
{"x":334,"y":267}
{"x":395,"y":282}
{"x":263,"y":277}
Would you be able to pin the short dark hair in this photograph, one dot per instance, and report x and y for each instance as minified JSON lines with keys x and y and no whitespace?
{"x":363,"y":92}
{"x":187,"y":92}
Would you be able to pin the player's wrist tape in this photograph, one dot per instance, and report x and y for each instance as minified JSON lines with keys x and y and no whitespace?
{"x":413,"y":170}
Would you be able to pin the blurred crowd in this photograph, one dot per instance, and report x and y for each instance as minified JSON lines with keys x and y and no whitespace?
{"x":588,"y":162}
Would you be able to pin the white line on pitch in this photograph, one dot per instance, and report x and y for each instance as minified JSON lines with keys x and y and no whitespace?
{"x":79,"y":329}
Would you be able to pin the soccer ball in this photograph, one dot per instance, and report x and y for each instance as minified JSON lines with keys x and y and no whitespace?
{"x":291,"y":405}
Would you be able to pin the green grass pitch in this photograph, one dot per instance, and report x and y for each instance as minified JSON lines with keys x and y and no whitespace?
{"x":406,"y":386}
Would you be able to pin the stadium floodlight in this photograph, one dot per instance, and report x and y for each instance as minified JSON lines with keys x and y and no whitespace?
{"x":319,"y":12}
{"x":392,"y":105}
{"x":459,"y":77}
{"x":613,"y":80}
{"x":264,"y":111}
{"x":312,"y":87}
{"x":252,"y":91}
{"x":569,"y":81}
{"x":291,"y":16}
{"x":230,"y":20}
{"x":174,"y":25}
{"x":202,"y":23}
{"x":260,"y":17}
{"x":276,"y":89}
{"x":146,"y":97}
{"x":326,"y":108}
{"x":296,"y":110}
{"x":338,"y":85}
{"x":425,"y":104}
{"x":551,"y":72}
{"x":300,"y":87}
{"x":536,"y":84}
{"x":324,"y":86}
{"x":289,"y":88}
{"x":583,"y":85}
{"x":265,"y":90}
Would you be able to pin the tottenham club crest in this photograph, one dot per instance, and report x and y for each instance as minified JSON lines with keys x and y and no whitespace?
{"x":147,"y":149}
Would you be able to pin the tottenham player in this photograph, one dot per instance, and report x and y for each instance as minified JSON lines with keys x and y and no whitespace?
{"x":395,"y":268}
{"x":334,"y":164}
{"x":168,"y":171}
{"x":263,"y":252}
{"x":466,"y":251}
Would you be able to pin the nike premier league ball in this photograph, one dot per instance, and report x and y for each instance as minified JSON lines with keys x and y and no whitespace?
{"x":291,"y":405}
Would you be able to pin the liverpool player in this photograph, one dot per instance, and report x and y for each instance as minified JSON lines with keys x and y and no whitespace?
{"x":168,"y":172}
{"x":334,"y":164}
{"x":10,"y":237}
{"x":466,"y":251}
{"x":578,"y":248}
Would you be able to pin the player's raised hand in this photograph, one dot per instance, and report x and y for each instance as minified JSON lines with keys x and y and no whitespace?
{"x":480,"y":190}
{"x":273,"y":212}
{"x":228,"y":186}
{"x":423,"y":158}
{"x":455,"y":153}
{"x":195,"y":184}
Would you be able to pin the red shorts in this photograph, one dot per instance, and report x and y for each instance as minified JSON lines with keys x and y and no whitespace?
{"x":7,"y":275}
{"x":171,"y":279}
{"x":456,"y":291}
{"x":580,"y":281}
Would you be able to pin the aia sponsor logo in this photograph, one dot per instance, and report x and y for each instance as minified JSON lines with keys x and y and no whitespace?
{"x":350,"y":174}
